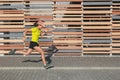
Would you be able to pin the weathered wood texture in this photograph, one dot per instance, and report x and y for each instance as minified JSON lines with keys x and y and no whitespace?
{"x":81,"y":27}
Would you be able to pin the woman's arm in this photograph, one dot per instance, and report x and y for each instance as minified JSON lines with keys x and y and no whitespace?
{"x":45,"y":30}
{"x":24,"y":33}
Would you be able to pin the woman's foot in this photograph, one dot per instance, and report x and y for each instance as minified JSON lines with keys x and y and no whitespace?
{"x":47,"y":66}
{"x":12,"y":51}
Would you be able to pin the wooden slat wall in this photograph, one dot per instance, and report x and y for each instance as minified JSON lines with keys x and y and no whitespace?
{"x":82,"y":27}
{"x":11,"y":25}
{"x":67,"y":17}
{"x":116,"y":27}
{"x":38,"y":10}
{"x":97,"y":26}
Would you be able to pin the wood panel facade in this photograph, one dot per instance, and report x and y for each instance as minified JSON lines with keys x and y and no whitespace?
{"x":81,"y":27}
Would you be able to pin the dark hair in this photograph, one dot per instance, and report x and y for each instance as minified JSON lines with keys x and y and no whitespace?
{"x":35,"y":24}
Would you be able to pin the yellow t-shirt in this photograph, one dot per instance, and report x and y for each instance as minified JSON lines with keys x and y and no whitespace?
{"x":35,"y":34}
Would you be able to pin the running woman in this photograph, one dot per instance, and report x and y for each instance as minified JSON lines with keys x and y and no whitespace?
{"x":38,"y":30}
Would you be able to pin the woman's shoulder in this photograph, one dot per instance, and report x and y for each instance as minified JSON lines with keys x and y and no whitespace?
{"x":33,"y":28}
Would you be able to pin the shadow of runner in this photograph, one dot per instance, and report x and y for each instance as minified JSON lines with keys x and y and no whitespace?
{"x":32,"y":60}
{"x":48,"y":59}
{"x":51,"y":51}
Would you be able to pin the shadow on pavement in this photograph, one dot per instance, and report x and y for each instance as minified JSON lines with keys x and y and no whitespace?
{"x":48,"y":59}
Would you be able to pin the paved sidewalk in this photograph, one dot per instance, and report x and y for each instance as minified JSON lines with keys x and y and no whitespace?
{"x":65,"y":68}
{"x":60,"y":62}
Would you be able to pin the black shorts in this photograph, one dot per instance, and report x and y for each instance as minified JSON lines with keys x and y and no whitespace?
{"x":33,"y":44}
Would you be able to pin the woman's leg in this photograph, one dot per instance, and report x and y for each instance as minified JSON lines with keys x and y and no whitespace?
{"x":42,"y":53}
{"x":28,"y":51}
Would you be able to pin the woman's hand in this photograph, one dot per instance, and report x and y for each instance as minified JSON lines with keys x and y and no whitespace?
{"x":24,"y":38}
{"x":44,"y":29}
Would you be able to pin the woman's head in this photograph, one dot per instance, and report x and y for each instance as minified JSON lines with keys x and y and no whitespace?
{"x":39,"y":24}
{"x":35,"y":24}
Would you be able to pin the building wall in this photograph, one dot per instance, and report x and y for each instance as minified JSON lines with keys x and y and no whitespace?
{"x":81,"y":27}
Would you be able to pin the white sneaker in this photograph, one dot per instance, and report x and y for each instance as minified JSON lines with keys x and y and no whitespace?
{"x":24,"y":55}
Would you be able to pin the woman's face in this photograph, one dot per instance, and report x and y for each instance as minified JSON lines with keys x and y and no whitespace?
{"x":40,"y":26}
{"x":41,"y":23}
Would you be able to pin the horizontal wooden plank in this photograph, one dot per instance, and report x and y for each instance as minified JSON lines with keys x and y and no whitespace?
{"x":67,"y":9}
{"x":67,"y":54}
{"x":67,"y":12}
{"x":11,"y":40}
{"x":11,"y":30}
{"x":97,"y":27}
{"x":98,"y":7}
{"x":11,"y":26}
{"x":97,"y":23}
{"x":39,"y":2}
{"x":115,"y":49}
{"x":67,"y":19}
{"x":11,"y":12}
{"x":97,"y":12}
{"x":115,"y":30}
{"x":115,"y":44}
{"x":116,"y":25}
{"x":67,"y":36}
{"x":67,"y":41}
{"x":116,"y":37}
{"x":9,"y":48}
{"x":67,"y":27}
{"x":11,"y":45}
{"x":67,"y":0}
{"x":75,"y":23}
{"x":98,"y":15}
{"x":69,"y":47}
{"x":38,"y":13}
{"x":42,"y":10}
{"x":46,"y":16}
{"x":95,"y":49}
{"x":7,"y":52}
{"x":66,"y":15}
{"x":96,"y":52}
{"x":117,"y":33}
{"x":93,"y":18}
{"x":115,"y":4}
{"x":11,"y":15}
{"x":12,"y":0}
{"x":96,"y":0}
{"x":115,"y":12}
{"x":96,"y":30}
{"x":67,"y":33}
{"x":100,"y":38}
{"x":56,"y":23}
{"x":113,"y":52}
{"x":8,"y":18}
{"x":115,"y":21}
{"x":12,"y":23}
{"x":66,"y":45}
{"x":66,"y":5}
{"x":97,"y":45}
{"x":97,"y":34}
